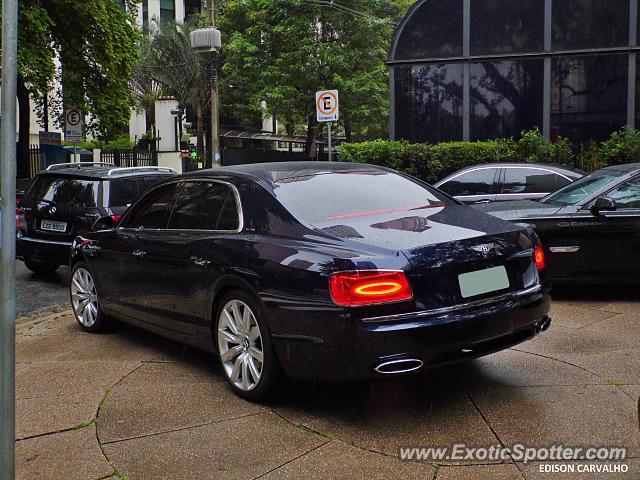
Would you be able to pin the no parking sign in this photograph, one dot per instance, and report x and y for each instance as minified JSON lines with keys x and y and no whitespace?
{"x":327,"y":106}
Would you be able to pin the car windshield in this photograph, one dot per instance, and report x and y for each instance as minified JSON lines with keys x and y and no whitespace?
{"x":332,"y":198}
{"x":582,"y":188}
{"x":63,"y":191}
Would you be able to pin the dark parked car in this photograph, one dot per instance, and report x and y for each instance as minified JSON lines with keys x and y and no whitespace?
{"x":66,"y":200}
{"x":321,"y":270}
{"x":506,"y":181}
{"x":590,"y":229}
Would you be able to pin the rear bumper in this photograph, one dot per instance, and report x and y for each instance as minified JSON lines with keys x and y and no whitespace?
{"x":43,"y":250}
{"x":431,"y":338}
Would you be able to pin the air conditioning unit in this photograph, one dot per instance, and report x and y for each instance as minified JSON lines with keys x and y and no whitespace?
{"x":206,"y":40}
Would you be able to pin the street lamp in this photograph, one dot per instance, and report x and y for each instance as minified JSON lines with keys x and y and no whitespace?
{"x":208,"y":41}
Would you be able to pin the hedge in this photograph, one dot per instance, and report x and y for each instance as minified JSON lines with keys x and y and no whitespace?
{"x":432,"y":162}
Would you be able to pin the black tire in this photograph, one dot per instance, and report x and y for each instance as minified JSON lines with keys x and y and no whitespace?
{"x":40,"y":267}
{"x":270,"y":373}
{"x":91,"y":318}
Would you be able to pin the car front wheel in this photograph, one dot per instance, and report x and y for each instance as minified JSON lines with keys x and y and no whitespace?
{"x":244,"y":347}
{"x":84,"y":299}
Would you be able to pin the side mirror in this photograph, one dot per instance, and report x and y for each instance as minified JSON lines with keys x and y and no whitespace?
{"x":603,"y":204}
{"x":104,"y":223}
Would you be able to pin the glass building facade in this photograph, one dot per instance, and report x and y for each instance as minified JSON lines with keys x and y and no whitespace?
{"x":483,"y":69}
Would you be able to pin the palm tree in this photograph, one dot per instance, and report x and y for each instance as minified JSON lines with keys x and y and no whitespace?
{"x":170,"y":62}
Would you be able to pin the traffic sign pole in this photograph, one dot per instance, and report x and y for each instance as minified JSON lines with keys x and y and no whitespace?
{"x":329,"y":135}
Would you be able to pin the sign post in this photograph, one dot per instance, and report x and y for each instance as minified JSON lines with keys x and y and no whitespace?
{"x":73,"y":128}
{"x":328,"y":110}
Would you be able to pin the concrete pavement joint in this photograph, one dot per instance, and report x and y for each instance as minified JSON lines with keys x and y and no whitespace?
{"x":189,"y":427}
{"x":292,"y":460}
{"x":606,"y":382}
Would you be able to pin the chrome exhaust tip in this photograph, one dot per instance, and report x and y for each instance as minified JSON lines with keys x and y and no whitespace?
{"x":544,"y":324}
{"x":403,"y":365}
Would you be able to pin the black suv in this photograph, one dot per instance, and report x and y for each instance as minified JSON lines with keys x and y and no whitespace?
{"x":67,"y":200}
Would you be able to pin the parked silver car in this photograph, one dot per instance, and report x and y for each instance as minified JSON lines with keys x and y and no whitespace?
{"x":507,"y":181}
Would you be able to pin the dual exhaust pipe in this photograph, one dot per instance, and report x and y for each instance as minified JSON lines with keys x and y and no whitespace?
{"x":407,"y":365}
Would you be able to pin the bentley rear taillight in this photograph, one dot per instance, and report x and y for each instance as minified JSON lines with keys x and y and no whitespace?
{"x":369,"y":287}
{"x":538,"y":256}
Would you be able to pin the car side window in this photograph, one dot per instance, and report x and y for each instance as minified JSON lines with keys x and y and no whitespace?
{"x":475,"y":182}
{"x":627,"y":195}
{"x":153,"y":210}
{"x":205,"y":206}
{"x":123,"y":191}
{"x":530,"y":180}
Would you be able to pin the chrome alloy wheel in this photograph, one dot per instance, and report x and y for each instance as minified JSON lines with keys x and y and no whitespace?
{"x":84,"y":297}
{"x":240,"y":345}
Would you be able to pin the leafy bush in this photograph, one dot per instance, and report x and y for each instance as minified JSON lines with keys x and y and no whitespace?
{"x":622,"y":147}
{"x":432,"y":162}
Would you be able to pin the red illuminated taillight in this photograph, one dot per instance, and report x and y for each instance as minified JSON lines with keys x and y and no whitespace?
{"x":538,"y":256}
{"x":116,"y":218}
{"x":369,"y":287}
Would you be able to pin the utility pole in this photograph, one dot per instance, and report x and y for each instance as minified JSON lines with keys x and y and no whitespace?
{"x":215,"y":112}
{"x":8,"y":239}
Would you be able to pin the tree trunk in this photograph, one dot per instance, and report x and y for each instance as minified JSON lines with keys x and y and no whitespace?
{"x":24,"y":112}
{"x":347,"y":130}
{"x":308,"y":146}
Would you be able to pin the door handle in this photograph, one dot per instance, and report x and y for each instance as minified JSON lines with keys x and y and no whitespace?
{"x":201,"y":262}
{"x":139,"y":253}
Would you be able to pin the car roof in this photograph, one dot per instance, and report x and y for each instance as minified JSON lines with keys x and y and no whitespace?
{"x":624,"y":167}
{"x":562,"y":169}
{"x":270,"y":173}
{"x":103,"y":171}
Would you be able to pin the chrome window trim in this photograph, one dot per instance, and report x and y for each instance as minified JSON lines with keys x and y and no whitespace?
{"x":454,"y":308}
{"x":236,"y":195}
{"x":542,"y":169}
{"x":471,"y":170}
{"x":38,"y":240}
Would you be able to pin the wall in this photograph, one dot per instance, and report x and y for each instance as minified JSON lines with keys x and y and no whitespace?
{"x":171,"y":160}
{"x":165,"y":125}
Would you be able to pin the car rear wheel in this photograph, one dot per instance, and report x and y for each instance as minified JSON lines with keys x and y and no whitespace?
{"x":84,"y":299}
{"x":244,"y":347}
{"x":38,"y":266}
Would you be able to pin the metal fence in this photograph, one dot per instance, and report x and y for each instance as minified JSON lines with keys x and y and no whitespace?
{"x":130,"y":157}
{"x":34,"y":160}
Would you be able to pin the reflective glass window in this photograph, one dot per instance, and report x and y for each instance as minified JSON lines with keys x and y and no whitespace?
{"x":505,"y":26}
{"x":506,"y":98}
{"x":580,"y":24}
{"x":153,"y":210}
{"x":475,"y":182}
{"x":167,"y":11}
{"x":205,"y":206}
{"x":531,"y":180}
{"x":433,"y":31}
{"x":588,"y":96}
{"x":627,"y":195}
{"x":429,"y":102}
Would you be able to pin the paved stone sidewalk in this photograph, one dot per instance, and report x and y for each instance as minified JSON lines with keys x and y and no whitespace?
{"x":130,"y":405}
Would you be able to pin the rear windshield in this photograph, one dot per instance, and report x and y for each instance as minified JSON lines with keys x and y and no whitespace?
{"x":334,"y":198}
{"x":63,"y":191}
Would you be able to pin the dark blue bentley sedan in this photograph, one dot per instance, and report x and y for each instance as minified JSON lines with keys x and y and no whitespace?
{"x":326,"y":271}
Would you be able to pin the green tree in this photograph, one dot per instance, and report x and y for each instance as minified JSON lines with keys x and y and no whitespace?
{"x":180,"y":70}
{"x":282,"y":51}
{"x":96,"y":43}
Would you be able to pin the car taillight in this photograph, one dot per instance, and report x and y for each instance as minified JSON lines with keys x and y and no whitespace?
{"x":116,"y":218}
{"x":369,"y":287}
{"x":538,"y":256}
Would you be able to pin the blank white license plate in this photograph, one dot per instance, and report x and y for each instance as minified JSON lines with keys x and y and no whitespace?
{"x":483,"y":281}
{"x":53,"y":226}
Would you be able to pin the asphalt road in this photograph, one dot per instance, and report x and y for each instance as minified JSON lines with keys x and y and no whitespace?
{"x":39,"y":292}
